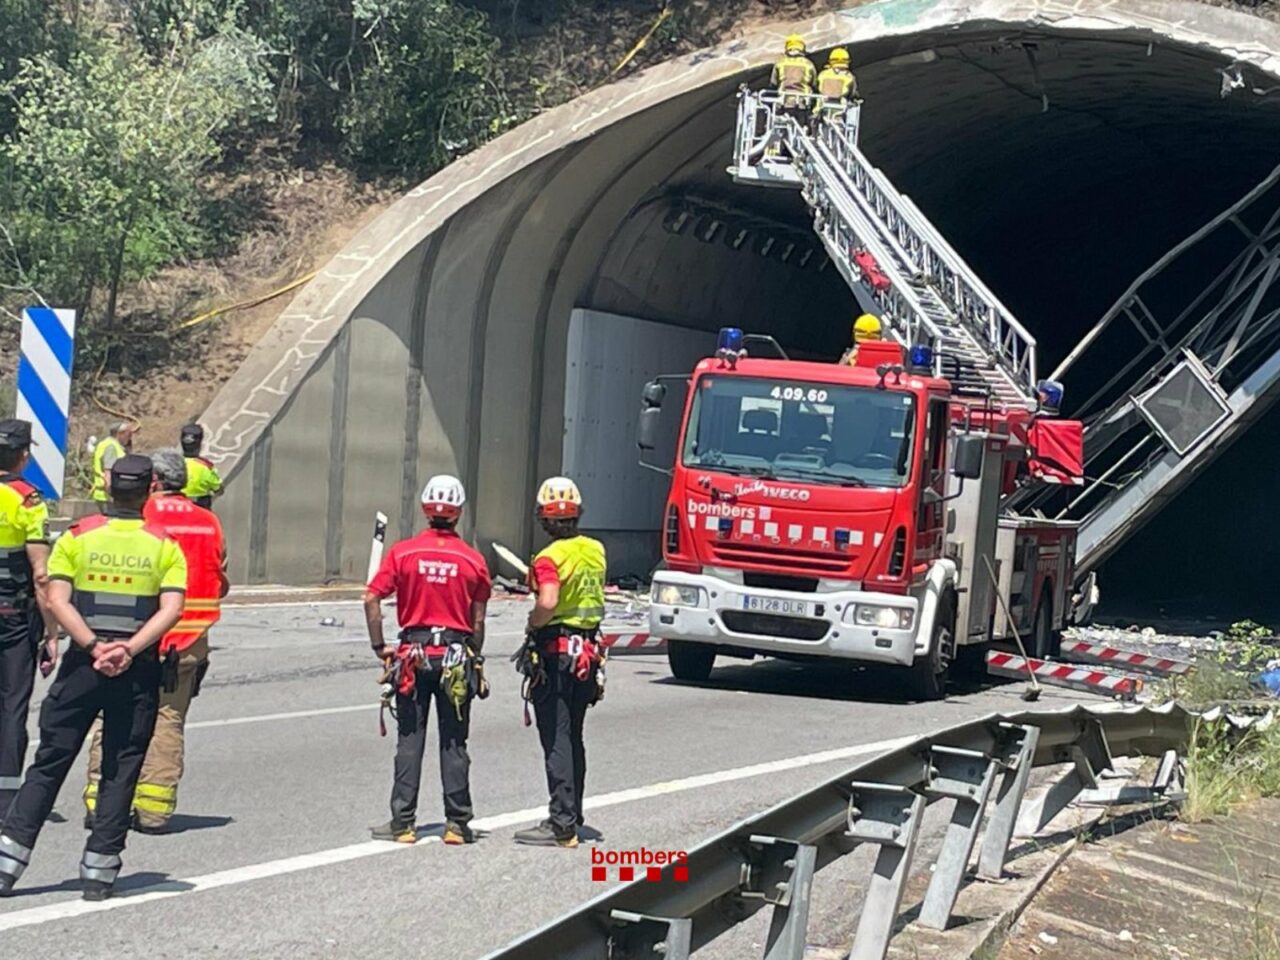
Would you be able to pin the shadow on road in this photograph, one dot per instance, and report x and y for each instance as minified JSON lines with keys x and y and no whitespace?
{"x":183,"y":823}
{"x":824,"y":681}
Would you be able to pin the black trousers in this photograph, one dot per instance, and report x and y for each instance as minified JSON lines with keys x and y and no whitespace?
{"x":128,"y":705}
{"x":411,"y":744}
{"x":560,"y":706}
{"x":19,"y":643}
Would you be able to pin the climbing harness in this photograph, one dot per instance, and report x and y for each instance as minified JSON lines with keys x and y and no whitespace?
{"x":530,"y":665}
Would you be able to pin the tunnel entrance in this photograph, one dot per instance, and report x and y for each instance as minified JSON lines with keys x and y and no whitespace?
{"x":1058,"y":158}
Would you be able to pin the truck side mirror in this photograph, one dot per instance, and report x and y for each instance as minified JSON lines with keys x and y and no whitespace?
{"x":650,"y":414}
{"x":968,"y":457}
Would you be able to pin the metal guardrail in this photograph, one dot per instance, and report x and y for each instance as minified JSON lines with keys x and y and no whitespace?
{"x":770,"y":860}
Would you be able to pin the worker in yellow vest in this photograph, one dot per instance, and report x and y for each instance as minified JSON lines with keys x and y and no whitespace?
{"x":116,"y":585}
{"x":24,"y":613}
{"x":203,"y":481}
{"x":794,"y":75}
{"x":836,"y":85}
{"x":866,"y":327}
{"x":117,"y":443}
{"x":184,"y":650}
{"x":563,"y":629}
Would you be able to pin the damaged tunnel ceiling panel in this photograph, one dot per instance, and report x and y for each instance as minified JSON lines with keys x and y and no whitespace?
{"x":1060,"y":149}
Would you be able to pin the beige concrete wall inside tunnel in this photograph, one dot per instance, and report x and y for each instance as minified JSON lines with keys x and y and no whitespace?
{"x":535,"y":283}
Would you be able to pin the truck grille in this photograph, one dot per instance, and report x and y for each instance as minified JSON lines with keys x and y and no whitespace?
{"x":779,"y":581}
{"x":789,"y":560}
{"x":768,"y":625}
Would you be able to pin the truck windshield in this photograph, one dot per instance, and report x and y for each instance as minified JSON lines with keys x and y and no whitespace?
{"x":790,"y":429}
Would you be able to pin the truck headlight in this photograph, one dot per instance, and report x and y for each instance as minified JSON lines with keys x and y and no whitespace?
{"x":677,"y":595}
{"x":878,"y":615}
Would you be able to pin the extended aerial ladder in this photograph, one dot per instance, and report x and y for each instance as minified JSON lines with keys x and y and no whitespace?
{"x":885,"y":248}
{"x":1200,"y":328}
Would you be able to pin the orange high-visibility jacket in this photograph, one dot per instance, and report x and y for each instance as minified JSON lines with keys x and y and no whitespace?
{"x":199,"y":534}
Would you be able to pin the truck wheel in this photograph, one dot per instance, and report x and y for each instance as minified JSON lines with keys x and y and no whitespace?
{"x":1045,"y":641}
{"x":690,"y":661}
{"x":927,"y":677}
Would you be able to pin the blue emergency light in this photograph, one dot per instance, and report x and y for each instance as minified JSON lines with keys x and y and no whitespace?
{"x":842,"y":539}
{"x":726,"y":526}
{"x":729,"y":341}
{"x":921,"y":357}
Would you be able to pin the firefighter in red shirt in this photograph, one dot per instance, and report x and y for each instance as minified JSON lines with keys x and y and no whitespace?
{"x":442,"y":587}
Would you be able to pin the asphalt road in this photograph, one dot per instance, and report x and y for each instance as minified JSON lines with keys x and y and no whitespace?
{"x":270,"y":856}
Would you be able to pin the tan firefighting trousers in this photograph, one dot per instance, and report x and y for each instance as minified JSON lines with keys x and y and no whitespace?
{"x":156,"y":796}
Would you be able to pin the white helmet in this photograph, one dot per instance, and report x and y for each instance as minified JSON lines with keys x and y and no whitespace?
{"x":559,"y":497}
{"x":443,"y":496}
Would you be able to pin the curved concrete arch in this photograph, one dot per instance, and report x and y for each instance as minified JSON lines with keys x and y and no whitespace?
{"x":1047,"y":141}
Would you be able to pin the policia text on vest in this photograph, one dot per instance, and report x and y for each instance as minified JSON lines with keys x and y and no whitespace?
{"x":116,"y":586}
{"x":24,"y":555}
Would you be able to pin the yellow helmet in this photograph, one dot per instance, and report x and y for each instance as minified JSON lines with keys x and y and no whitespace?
{"x":559,"y":497}
{"x":866,"y":327}
{"x":839,"y":57}
{"x":795,"y":42}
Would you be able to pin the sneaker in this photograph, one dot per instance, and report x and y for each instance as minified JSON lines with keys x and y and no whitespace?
{"x":7,"y":880}
{"x":96,"y":890}
{"x":395,"y":832}
{"x":456,"y":834}
{"x":544,"y":835}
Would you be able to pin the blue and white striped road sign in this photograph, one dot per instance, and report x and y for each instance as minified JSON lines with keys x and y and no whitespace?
{"x":44,"y":393}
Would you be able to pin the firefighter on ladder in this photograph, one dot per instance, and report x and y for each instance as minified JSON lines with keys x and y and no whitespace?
{"x":116,"y":585}
{"x":562,"y":640}
{"x":836,"y":86}
{"x":442,"y":589}
{"x":793,"y":77}
{"x":866,"y":327}
{"x":184,"y":650}
{"x":24,"y":615}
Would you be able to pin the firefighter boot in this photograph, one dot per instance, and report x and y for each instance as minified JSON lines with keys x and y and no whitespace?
{"x":96,"y":890}
{"x":395,"y":832}
{"x":544,"y":835}
{"x":456,"y":834}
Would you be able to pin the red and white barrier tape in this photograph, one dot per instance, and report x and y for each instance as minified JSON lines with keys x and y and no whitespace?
{"x":618,"y":642}
{"x":1098,"y":653}
{"x":1064,"y":674}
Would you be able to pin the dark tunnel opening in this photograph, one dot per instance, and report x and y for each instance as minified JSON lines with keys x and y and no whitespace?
{"x":1060,"y":168}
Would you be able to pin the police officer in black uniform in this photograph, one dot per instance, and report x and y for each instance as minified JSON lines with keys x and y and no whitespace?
{"x":24,"y":555}
{"x":116,"y":585}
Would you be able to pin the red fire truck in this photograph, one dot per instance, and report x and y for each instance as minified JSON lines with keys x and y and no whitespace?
{"x":854,"y":512}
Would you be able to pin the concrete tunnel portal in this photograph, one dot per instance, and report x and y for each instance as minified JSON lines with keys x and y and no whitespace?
{"x":1060,"y":150}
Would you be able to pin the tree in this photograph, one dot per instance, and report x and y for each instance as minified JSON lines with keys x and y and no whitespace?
{"x":101,"y":175}
{"x":429,"y":87}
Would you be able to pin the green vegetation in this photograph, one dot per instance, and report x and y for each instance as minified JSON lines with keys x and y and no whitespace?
{"x":1226,"y":767}
{"x":117,"y":119}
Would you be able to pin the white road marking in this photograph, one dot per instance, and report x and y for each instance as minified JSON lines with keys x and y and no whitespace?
{"x":69,"y":909}
{"x":292,"y":715}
